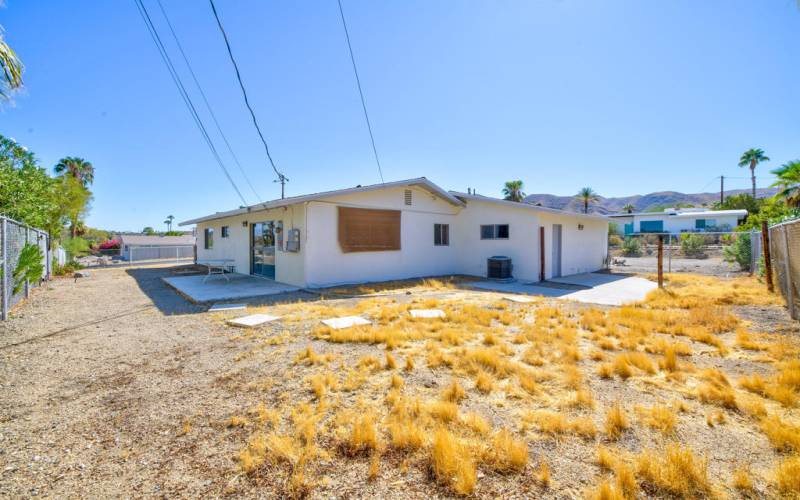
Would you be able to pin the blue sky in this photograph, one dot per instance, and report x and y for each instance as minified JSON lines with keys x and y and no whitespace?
{"x":627,"y":97}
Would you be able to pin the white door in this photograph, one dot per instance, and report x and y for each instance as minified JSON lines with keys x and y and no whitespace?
{"x":556,"y":265}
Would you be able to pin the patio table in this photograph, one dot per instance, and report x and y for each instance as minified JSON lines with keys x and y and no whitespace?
{"x":216,"y":266}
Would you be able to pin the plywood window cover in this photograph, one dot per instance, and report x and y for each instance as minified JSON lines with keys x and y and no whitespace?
{"x":368,"y":230}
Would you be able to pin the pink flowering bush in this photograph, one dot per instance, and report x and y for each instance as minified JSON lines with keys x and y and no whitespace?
{"x":109,"y":245}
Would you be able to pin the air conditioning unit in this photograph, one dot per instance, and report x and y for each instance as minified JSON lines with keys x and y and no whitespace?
{"x":499,"y":267}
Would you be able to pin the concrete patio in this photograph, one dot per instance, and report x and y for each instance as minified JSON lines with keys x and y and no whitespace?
{"x":592,"y":288}
{"x":217,"y":289}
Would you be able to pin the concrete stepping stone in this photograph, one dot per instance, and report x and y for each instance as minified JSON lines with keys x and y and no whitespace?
{"x":519,"y":299}
{"x":345,"y":322}
{"x":426,"y":313}
{"x":252,"y":320}
{"x":227,"y":307}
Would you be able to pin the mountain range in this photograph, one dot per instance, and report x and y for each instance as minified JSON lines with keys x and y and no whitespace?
{"x":643,"y":203}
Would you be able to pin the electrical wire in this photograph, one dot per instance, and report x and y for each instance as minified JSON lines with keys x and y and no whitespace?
{"x":281,"y":178}
{"x":182,"y":90}
{"x":205,"y":100}
{"x":360,"y":92}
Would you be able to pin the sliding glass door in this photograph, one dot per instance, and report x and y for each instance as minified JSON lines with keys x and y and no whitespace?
{"x":262,"y":236}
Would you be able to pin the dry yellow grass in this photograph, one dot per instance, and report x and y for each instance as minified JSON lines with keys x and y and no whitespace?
{"x":658,"y":417}
{"x":782,"y":435}
{"x":605,"y":491}
{"x":674,"y":471}
{"x":506,"y":454}
{"x":476,"y":423}
{"x":742,"y":479}
{"x":615,"y":422}
{"x":363,"y":435}
{"x":454,"y":392}
{"x":443,"y":410}
{"x":787,"y":477}
{"x":556,"y":424}
{"x":484,"y":382}
{"x":406,"y":434}
{"x":625,"y":363}
{"x":452,"y":462}
{"x":717,"y":389}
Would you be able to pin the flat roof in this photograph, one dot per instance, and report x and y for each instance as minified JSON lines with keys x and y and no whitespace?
{"x":712,"y":213}
{"x":421,"y":182}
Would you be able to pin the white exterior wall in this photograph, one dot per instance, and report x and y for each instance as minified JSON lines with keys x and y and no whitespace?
{"x":673,"y":224}
{"x":582,"y":250}
{"x":522,"y":245}
{"x":327,"y":265}
{"x":289,"y":266}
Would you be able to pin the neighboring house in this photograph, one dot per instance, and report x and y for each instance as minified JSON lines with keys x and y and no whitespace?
{"x":397,"y":230}
{"x":681,"y":220}
{"x":141,"y":247}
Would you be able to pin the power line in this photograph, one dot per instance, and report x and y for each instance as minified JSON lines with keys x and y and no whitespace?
{"x":281,"y":178}
{"x":205,"y":100}
{"x":360,"y":92}
{"x":182,"y":90}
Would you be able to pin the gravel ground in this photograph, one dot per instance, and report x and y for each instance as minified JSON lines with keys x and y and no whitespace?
{"x":711,"y":266}
{"x":100,"y":379}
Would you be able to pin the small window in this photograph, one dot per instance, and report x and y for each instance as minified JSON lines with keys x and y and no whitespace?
{"x":208,"y":238}
{"x":700,"y":224}
{"x":224,"y":232}
{"x":441,"y":234}
{"x":494,"y":232}
{"x":408,"y":197}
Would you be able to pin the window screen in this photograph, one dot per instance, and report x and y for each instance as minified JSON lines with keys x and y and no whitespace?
{"x":208,"y":238}
{"x":441,"y":234}
{"x":224,"y":232}
{"x":494,"y":232}
{"x":367,"y":230}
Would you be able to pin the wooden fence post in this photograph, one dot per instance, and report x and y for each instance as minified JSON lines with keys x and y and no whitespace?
{"x":767,"y":257}
{"x":660,"y":261}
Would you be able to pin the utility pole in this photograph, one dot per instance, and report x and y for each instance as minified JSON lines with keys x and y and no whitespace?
{"x":283,"y":180}
{"x":721,"y":189}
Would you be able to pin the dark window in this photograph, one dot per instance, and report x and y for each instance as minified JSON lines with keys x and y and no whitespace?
{"x":441,"y":234}
{"x":502,"y":231}
{"x":700,"y":224}
{"x":208,"y":239}
{"x":494,"y":232}
{"x":224,"y":232}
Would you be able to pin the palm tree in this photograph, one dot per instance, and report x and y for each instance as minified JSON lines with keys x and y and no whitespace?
{"x":168,"y":222}
{"x":10,"y":69}
{"x":751,"y":158}
{"x":789,"y":179}
{"x":629,"y":208}
{"x":587,"y":195}
{"x":513,"y":191}
{"x":79,"y":168}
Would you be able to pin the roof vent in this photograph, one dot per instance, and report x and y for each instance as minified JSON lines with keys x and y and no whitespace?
{"x":408,"y":197}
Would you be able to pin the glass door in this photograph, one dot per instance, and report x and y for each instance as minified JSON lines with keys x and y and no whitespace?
{"x":262,"y":236}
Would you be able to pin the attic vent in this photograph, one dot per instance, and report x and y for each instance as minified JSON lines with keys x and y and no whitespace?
{"x":408,"y":197}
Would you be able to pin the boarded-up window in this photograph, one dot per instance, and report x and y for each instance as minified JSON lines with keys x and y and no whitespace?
{"x":367,"y":230}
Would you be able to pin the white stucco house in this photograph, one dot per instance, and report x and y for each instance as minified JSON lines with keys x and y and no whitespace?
{"x":397,"y":230}
{"x":681,"y":220}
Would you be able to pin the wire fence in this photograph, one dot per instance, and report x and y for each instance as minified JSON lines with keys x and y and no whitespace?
{"x":14,"y":236}
{"x":784,"y":246}
{"x":711,"y":253}
{"x":177,"y":253}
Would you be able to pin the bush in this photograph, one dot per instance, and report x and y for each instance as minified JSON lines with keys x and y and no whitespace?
{"x":75,"y":247}
{"x":614,"y":240}
{"x":692,"y":245}
{"x":739,"y":251}
{"x":67,"y":269}
{"x":29,"y":267}
{"x":631,"y":247}
{"x":109,"y":245}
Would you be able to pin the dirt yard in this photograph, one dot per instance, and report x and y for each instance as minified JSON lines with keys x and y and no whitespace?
{"x":115,"y":386}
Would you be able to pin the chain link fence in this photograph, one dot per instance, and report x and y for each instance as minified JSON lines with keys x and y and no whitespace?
{"x":784,"y":246}
{"x":13,"y":238}
{"x":710,"y":253}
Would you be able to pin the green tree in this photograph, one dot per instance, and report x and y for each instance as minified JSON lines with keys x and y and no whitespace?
{"x":168,"y":222}
{"x":739,"y":202}
{"x":75,"y":201}
{"x":10,"y":69}
{"x":78,"y":168}
{"x":629,"y":208}
{"x":513,"y":191}
{"x":739,"y":251}
{"x":789,"y":180}
{"x":587,"y":195}
{"x":27,"y":193}
{"x":149,"y":231}
{"x":751,"y":158}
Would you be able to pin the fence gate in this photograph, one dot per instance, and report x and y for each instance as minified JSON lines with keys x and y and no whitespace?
{"x":784,"y":246}
{"x":13,"y":238}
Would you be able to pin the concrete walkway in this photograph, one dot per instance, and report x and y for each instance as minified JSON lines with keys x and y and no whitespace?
{"x":217,"y":289}
{"x":592,"y":288}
